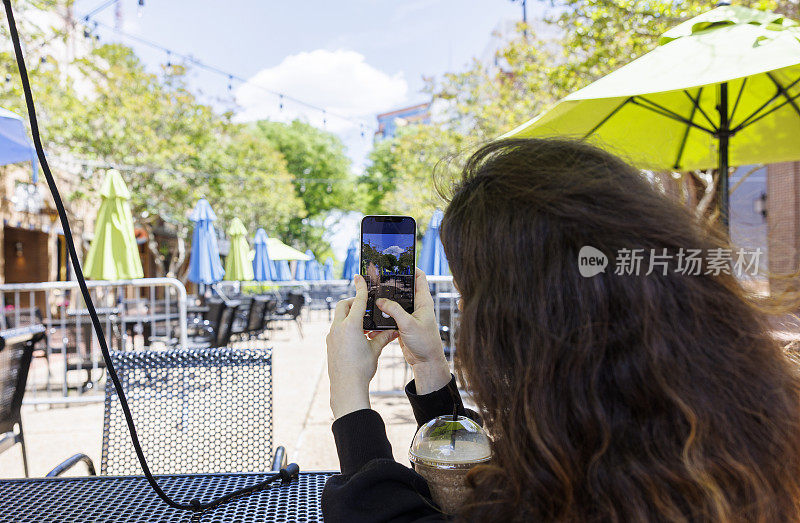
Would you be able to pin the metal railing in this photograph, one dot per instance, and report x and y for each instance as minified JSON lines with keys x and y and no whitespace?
{"x":393,"y":372}
{"x":134,"y":314}
{"x":321,"y":295}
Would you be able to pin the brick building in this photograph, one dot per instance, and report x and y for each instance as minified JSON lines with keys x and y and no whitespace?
{"x":783,"y":225}
{"x":33,"y":248}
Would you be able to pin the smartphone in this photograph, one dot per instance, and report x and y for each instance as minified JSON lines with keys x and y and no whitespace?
{"x":388,"y":252}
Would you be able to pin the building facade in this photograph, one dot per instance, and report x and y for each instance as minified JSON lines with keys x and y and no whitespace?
{"x":389,"y":122}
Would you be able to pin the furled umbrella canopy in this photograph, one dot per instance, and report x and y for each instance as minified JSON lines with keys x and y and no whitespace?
{"x":432,"y":259}
{"x":308,"y":270}
{"x":237,"y":265}
{"x":282,"y":270}
{"x":327,"y":269}
{"x":721,"y":89}
{"x":263,"y":268}
{"x":351,"y":261}
{"x":114,"y":254}
{"x":204,"y":263}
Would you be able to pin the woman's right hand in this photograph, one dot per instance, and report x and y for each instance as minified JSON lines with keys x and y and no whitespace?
{"x":419,"y":337}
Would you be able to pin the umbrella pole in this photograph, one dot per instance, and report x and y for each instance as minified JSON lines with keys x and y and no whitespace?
{"x":723,"y":135}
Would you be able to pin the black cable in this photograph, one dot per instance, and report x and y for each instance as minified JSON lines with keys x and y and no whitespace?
{"x":285,"y":473}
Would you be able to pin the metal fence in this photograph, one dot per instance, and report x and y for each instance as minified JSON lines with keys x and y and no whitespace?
{"x":393,"y":371}
{"x":319,"y":295}
{"x":133,"y":314}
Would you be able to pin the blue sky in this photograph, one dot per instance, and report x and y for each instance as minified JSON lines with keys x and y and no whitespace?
{"x":355,"y":57}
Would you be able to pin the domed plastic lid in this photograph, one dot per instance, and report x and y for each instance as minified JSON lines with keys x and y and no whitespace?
{"x":445,"y":442}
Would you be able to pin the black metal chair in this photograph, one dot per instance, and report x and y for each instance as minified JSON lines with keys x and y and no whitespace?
{"x":255,"y":319}
{"x":16,"y":351}
{"x":218,"y":333}
{"x":291,"y":310}
{"x":195,"y":410}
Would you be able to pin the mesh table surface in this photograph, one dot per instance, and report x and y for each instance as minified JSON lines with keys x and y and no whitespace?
{"x":100,"y":499}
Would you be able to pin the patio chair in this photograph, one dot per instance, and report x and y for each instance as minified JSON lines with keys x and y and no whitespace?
{"x":16,"y":350}
{"x":291,"y":310}
{"x":196,"y":411}
{"x":255,"y":319}
{"x":218,"y":333}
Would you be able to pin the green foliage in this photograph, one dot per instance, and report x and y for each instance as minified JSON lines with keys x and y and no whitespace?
{"x":105,"y":107}
{"x":320,"y":175}
{"x":400,"y":177}
{"x":531,"y":72}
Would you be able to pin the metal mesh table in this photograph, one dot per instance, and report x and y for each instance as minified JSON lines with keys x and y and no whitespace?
{"x":98,"y":499}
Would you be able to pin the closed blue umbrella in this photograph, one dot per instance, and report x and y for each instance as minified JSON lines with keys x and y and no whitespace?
{"x":432,"y":259}
{"x":300,"y":271}
{"x":327,"y":270}
{"x":204,"y":263}
{"x":310,"y":269}
{"x":282,"y":270}
{"x":263,"y":268}
{"x":14,"y":144}
{"x":351,"y":261}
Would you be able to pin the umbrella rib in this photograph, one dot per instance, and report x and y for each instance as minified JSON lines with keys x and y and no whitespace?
{"x":667,"y":113}
{"x":747,"y":121}
{"x":696,"y":104}
{"x":785,"y":94}
{"x":789,"y":100}
{"x":695,"y":107}
{"x":738,"y":97}
{"x":607,"y":118}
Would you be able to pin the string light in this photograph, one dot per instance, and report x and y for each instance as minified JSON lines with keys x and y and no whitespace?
{"x":201,"y":65}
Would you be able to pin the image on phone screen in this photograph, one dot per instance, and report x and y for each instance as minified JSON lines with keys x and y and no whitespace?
{"x":388,"y":245}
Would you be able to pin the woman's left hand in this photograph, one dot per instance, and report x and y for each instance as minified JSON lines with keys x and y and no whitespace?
{"x":352,"y":357}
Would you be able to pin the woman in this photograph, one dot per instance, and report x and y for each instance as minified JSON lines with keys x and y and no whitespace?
{"x":615,"y":397}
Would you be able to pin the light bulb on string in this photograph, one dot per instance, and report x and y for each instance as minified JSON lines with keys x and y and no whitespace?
{"x":280,"y":105}
{"x":140,"y":8}
{"x":230,"y":80}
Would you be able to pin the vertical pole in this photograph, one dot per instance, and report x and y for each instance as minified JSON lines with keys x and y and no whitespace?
{"x":525,"y":17}
{"x":723,"y":194}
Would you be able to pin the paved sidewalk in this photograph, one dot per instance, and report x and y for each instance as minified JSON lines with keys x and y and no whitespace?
{"x":301,"y":401}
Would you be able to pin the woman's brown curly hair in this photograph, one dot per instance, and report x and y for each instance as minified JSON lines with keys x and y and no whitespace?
{"x":615,"y":397}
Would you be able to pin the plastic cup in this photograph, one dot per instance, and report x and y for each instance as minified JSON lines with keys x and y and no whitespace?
{"x":443,"y":452}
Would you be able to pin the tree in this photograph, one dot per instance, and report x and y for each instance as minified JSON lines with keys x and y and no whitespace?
{"x":320,"y":172}
{"x":170,"y":148}
{"x":531,"y":72}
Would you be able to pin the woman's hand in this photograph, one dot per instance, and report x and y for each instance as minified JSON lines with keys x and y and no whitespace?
{"x":352,"y":358}
{"x":419,"y":337}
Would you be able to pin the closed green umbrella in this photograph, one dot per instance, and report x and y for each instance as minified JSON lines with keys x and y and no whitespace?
{"x":113,"y":254}
{"x":720,"y":89}
{"x":238,"y":265}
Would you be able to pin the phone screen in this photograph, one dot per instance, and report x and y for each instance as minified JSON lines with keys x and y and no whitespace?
{"x":388,"y":245}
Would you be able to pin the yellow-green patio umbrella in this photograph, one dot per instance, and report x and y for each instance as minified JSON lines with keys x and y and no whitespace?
{"x":238,"y":266}
{"x":113,"y":254}
{"x":280,"y":251}
{"x":720,"y":89}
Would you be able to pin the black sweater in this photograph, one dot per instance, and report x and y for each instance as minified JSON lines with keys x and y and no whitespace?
{"x":372,"y":486}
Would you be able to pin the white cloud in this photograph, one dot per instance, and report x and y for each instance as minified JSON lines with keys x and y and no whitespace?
{"x":340,"y":81}
{"x":394,"y":249}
